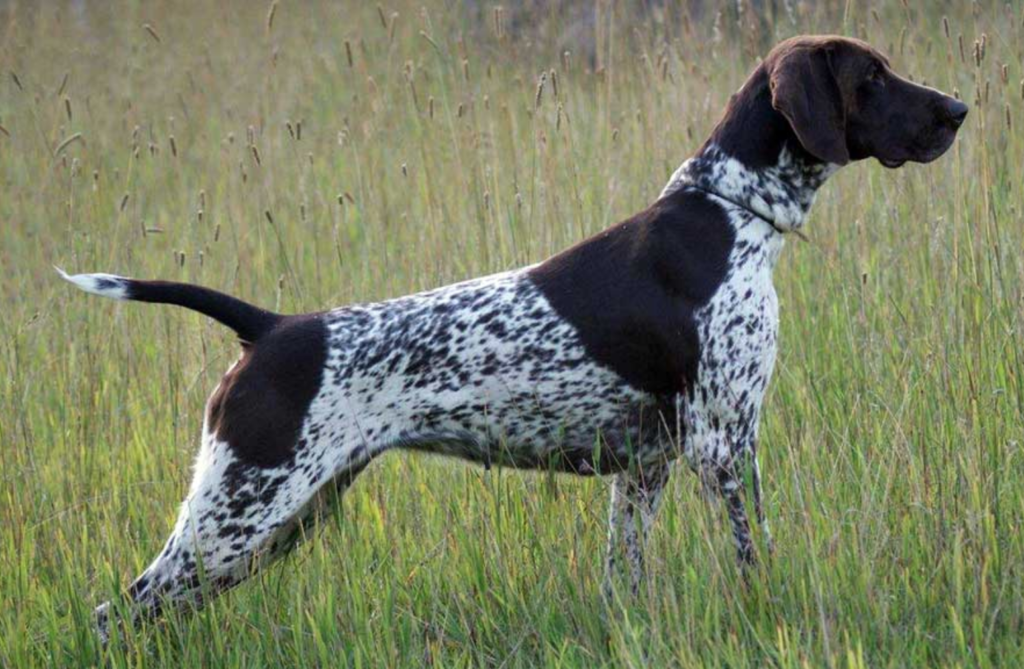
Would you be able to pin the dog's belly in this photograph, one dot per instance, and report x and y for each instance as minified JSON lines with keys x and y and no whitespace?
{"x":486,"y":370}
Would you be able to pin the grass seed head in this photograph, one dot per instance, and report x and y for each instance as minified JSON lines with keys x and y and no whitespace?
{"x":77,"y":137}
{"x":271,"y":13}
{"x":152,"y":32}
{"x":498,"y":17}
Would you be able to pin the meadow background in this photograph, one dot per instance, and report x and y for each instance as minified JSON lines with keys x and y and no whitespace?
{"x":304,"y":155}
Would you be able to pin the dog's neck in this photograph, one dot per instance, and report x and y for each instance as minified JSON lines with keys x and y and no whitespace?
{"x":754,"y":160}
{"x":780,"y":195}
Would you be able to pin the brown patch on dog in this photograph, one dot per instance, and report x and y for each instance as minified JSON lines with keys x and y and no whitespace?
{"x":261,"y":404}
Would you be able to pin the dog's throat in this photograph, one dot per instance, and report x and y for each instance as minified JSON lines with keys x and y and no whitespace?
{"x":752,"y":212}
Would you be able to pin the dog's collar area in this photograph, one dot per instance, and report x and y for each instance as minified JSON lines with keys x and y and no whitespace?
{"x":751,"y":211}
{"x":780,"y":195}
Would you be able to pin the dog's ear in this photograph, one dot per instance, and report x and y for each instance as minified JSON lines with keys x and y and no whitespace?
{"x":806,"y":91}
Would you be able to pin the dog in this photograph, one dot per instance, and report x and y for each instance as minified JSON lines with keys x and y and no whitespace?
{"x":651,"y":340}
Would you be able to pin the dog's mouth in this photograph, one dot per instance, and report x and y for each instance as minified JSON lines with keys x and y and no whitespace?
{"x":920,"y":156}
{"x":892,"y":163}
{"x":924,"y":148}
{"x":924,"y":152}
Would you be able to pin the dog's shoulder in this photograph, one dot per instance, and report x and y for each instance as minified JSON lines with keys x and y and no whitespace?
{"x":631,"y":291}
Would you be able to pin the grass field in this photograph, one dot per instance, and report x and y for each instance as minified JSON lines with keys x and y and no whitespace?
{"x":304,"y":156}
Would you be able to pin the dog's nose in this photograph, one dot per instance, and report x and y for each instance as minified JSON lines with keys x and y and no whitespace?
{"x":957,"y":112}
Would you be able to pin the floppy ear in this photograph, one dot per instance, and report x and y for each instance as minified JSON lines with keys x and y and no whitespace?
{"x":805,"y":91}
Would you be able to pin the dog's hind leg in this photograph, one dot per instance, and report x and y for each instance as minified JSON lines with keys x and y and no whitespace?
{"x":237,"y":518}
{"x":635,"y":499}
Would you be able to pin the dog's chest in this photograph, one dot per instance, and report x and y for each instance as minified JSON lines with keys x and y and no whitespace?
{"x":738,"y":329}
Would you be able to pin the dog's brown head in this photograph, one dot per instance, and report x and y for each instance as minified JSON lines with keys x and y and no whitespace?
{"x":843,"y":103}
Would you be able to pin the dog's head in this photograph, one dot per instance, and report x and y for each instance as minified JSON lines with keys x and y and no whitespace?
{"x":843,"y":102}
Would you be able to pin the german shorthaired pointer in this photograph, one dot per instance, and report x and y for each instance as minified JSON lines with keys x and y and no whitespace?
{"x":653,"y":339}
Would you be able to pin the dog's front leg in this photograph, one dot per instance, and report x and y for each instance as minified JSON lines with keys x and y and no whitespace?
{"x":731,"y":490}
{"x":717,"y":449}
{"x":635,"y":499}
{"x":728,"y":451}
{"x":762,"y":517}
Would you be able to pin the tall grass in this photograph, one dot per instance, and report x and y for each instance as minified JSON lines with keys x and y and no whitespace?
{"x":304,"y":155}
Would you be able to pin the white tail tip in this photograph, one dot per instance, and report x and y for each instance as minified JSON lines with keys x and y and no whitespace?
{"x":107,"y":285}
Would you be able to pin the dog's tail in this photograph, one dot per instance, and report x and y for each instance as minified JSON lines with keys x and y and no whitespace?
{"x":248,"y":321}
